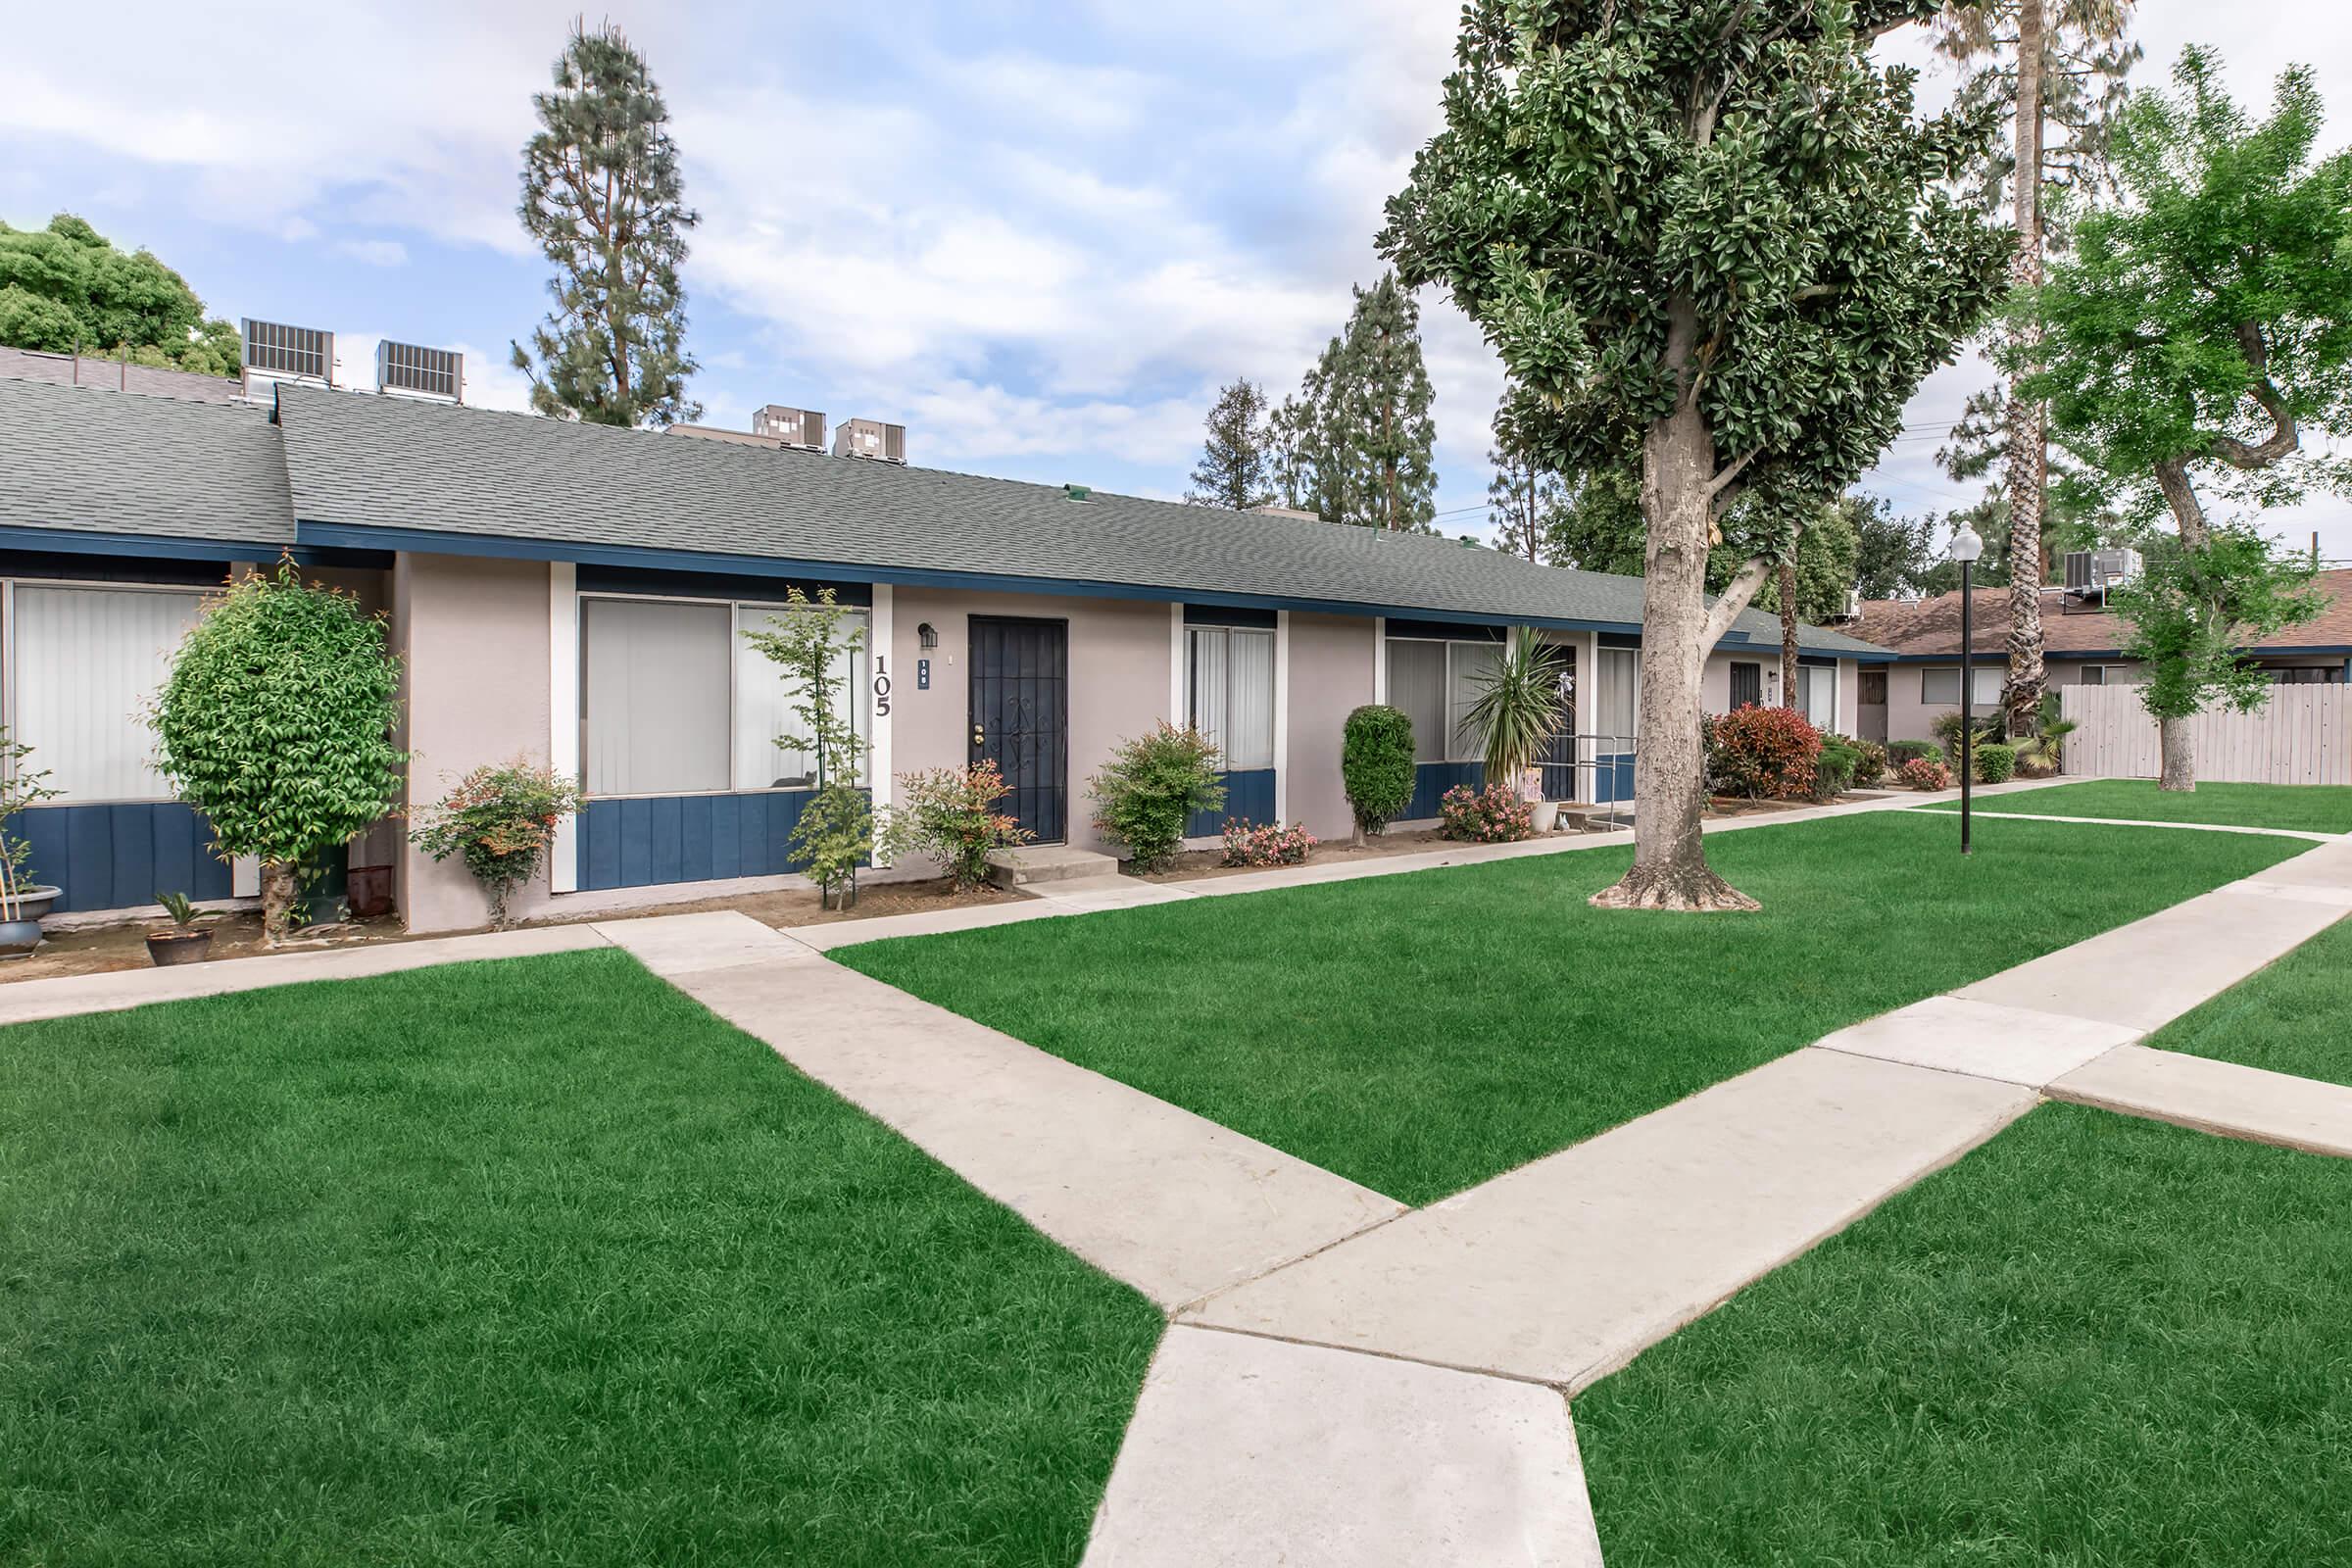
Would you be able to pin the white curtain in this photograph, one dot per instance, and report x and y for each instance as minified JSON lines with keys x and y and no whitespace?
{"x":1615,"y":705}
{"x":656,"y":685}
{"x":1249,"y":701}
{"x":764,"y":698}
{"x":1417,"y":689}
{"x":88,"y":660}
{"x":1211,"y":682}
{"x":1817,"y":695}
{"x":1471,"y":663}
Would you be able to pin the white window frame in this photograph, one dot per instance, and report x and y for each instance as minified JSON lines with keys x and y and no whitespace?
{"x":1982,"y":671}
{"x":861,"y":697}
{"x":1450,"y":644}
{"x":1190,"y":704}
{"x":9,"y":661}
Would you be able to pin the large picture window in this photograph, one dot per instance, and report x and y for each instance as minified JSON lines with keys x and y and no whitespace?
{"x":1817,"y":694}
{"x":674,"y":701}
{"x":87,"y":661}
{"x":1940,"y":685}
{"x":1229,"y":679}
{"x":1434,"y":684}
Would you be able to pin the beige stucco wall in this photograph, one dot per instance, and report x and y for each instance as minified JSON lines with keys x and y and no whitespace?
{"x":1121,"y":666}
{"x":473,"y":636}
{"x":1331,"y":674}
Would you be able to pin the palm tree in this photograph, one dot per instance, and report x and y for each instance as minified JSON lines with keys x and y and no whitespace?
{"x":1519,"y":707}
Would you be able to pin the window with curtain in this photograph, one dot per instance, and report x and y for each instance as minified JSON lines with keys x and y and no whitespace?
{"x":88,"y":660}
{"x":1468,"y":665}
{"x":764,"y":698}
{"x":1417,"y":690}
{"x":1939,"y":685}
{"x":1817,"y":694}
{"x":1231,"y":691}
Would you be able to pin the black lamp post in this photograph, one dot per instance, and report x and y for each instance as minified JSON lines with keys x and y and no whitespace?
{"x":1966,"y":548}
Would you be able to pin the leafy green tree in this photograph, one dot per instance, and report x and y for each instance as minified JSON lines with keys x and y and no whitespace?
{"x":602,"y":196}
{"x":1523,"y":500}
{"x":1715,"y":232}
{"x":276,"y":723}
{"x":66,"y":287}
{"x":811,"y":642}
{"x":1357,"y":443}
{"x":1892,"y":554}
{"x":2200,"y":327}
{"x":2036,"y":62}
{"x":1237,"y":462}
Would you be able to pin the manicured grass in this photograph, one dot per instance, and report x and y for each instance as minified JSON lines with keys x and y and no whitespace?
{"x":2096,"y":1341}
{"x":2293,"y":1018}
{"x":2309,"y":807}
{"x":525,"y":1262}
{"x":1420,"y":1033}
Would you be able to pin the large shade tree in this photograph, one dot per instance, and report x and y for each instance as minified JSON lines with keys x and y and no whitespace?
{"x":1712,"y":230}
{"x":68,"y":288}
{"x":2201,"y":327}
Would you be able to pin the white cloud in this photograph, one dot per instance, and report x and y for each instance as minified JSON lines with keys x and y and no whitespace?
{"x":374,"y":252}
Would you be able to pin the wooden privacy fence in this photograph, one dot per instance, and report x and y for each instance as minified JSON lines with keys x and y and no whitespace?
{"x":2303,"y":735}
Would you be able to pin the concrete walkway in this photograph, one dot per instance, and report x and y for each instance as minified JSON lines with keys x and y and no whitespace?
{"x":1171,"y":1203}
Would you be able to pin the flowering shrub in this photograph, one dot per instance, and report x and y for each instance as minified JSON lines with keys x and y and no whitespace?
{"x":1926,"y":774}
{"x":949,"y":816}
{"x":1494,"y":814}
{"x":1266,"y":843}
{"x":499,"y":820}
{"x":1764,"y":754}
{"x":1870,"y":765}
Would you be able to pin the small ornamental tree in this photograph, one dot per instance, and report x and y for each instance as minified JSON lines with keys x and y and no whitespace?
{"x":1716,"y":236}
{"x":2195,"y":334}
{"x":1376,"y":766}
{"x":276,"y":723}
{"x":499,"y":821}
{"x":838,"y":828}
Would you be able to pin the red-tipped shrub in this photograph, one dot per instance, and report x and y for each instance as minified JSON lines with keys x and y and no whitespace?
{"x":1765,"y":753}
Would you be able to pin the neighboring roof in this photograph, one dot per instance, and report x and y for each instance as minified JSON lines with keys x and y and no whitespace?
{"x":407,"y":473}
{"x":112,"y":375}
{"x":80,"y":461}
{"x":1924,"y":628}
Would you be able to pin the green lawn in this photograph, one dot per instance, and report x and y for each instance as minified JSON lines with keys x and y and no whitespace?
{"x":1420,"y":1033}
{"x":2310,"y":807}
{"x":2096,"y":1341}
{"x":2293,"y":1018}
{"x":524,"y":1262}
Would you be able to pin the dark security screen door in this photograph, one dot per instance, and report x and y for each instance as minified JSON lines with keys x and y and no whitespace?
{"x":1021,"y":717}
{"x":1747,"y":685}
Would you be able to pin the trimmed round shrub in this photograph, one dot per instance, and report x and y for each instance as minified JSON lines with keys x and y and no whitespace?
{"x":1149,"y":790}
{"x":1762,"y":754}
{"x":1376,"y":765}
{"x":1926,"y":774}
{"x":1834,"y":772}
{"x":1900,"y":751}
{"x":1995,"y":764}
{"x":1491,"y":815}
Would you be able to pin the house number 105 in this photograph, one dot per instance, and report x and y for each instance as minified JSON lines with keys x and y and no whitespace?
{"x":881,"y":685}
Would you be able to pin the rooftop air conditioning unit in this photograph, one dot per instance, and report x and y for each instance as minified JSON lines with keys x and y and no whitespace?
{"x":795,"y":428}
{"x":275,"y":352}
{"x":2091,"y":573}
{"x":870,"y":438}
{"x":1853,"y":605}
{"x":411,"y":369}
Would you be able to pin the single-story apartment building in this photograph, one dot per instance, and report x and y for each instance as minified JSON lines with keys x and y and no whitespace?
{"x":2081,"y":645}
{"x":577,"y":593}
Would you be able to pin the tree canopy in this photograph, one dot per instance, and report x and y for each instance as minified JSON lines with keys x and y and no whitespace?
{"x":66,"y":287}
{"x":603,"y":195}
{"x":1356,"y":444}
{"x":1236,"y":469}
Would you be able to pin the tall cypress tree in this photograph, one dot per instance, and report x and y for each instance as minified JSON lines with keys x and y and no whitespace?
{"x":602,"y":196}
{"x":1356,"y":444}
{"x":1236,"y":467}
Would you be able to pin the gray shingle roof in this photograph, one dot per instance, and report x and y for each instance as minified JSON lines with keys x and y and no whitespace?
{"x":67,"y":369}
{"x":85,"y":460}
{"x":395,"y":464}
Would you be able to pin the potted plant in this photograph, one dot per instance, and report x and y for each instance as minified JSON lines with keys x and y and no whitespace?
{"x":22,"y":902}
{"x":1518,"y":714}
{"x":183,"y":940}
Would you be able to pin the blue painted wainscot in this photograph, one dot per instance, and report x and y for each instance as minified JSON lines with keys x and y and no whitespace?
{"x":119,"y":855}
{"x":645,"y":841}
{"x":1248,"y":797}
{"x":1431,"y":781}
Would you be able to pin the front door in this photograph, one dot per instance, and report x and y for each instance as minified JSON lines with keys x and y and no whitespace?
{"x":1021,"y":716}
{"x":1616,"y":714}
{"x":1747,"y":685}
{"x":1873,"y":703}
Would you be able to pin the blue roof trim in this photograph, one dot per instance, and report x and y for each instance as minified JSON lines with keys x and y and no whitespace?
{"x":429,"y":541}
{"x":81,"y":542}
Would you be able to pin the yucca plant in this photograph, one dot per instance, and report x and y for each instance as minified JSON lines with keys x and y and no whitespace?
{"x":1520,"y":709}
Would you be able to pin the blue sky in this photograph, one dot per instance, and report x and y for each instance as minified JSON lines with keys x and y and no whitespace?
{"x":1038,"y":236}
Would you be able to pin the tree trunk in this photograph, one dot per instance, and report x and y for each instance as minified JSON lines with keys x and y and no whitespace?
{"x":1787,"y":584}
{"x":2028,"y":454}
{"x":1678,"y":465}
{"x":2179,"y":756}
{"x":277,"y":899}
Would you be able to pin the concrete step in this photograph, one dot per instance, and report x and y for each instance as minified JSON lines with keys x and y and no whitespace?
{"x":1047,"y":862}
